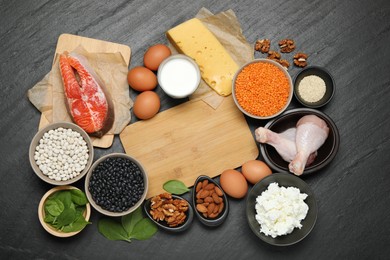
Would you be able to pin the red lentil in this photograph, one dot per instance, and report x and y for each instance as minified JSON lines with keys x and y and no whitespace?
{"x":262,"y":89}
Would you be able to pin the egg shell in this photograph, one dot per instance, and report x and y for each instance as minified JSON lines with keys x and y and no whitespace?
{"x":141,"y":79}
{"x":233,"y":183}
{"x":155,"y":55}
{"x":146,"y":105}
{"x":255,"y":170}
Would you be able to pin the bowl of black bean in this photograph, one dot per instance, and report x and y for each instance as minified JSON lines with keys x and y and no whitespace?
{"x":116,"y":184}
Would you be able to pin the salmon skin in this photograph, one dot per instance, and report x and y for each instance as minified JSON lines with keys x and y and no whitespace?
{"x":87,"y":99}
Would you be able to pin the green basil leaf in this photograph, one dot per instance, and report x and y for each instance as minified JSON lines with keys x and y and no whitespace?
{"x":130,"y":220}
{"x":78,"y":197}
{"x":112,"y":230}
{"x":66,"y":217}
{"x":54,"y":207}
{"x":175,"y":187}
{"x":144,"y":229}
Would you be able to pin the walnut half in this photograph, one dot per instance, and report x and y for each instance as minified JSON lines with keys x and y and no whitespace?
{"x":262,"y":45}
{"x":300,"y":59}
{"x":287,"y":45}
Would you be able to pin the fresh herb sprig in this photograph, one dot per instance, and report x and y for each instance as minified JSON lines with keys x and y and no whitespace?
{"x":175,"y":187}
{"x":64,"y":210}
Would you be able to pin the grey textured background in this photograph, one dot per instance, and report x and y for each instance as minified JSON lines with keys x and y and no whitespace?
{"x":349,"y":38}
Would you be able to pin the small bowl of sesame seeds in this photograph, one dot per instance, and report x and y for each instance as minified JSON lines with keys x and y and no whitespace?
{"x":314,"y":87}
{"x":262,"y":89}
{"x":61,"y":153}
{"x":116,"y":184}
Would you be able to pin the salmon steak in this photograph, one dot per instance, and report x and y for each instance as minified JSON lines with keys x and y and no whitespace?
{"x":87,"y":100}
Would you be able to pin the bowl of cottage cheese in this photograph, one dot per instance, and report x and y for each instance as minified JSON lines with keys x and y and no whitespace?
{"x":281,"y":209}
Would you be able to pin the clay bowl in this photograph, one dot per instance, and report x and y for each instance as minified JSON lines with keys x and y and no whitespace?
{"x":163,"y":224}
{"x":41,"y":213}
{"x":211,"y":222}
{"x":329,"y":84}
{"x":326,"y":153}
{"x":285,"y":180}
{"x":96,"y":164}
{"x":282,"y":69}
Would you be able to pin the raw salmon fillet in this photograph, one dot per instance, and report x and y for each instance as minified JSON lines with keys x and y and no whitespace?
{"x":87,"y":100}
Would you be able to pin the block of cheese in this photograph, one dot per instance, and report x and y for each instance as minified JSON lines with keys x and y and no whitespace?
{"x":217,"y":67}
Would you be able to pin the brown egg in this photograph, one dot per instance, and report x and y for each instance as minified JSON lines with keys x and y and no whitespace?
{"x":255,"y":170}
{"x":155,"y":55}
{"x":141,"y":79}
{"x":146,"y":105}
{"x":233,"y":183}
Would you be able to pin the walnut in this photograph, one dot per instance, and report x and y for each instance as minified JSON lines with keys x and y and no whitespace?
{"x":300,"y":59}
{"x":165,"y":208}
{"x":273,"y":55}
{"x":287,"y":45}
{"x":262,"y":45}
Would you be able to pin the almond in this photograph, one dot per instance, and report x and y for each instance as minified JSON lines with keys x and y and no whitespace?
{"x":209,"y":186}
{"x":216,"y":208}
{"x":213,"y":215}
{"x":216,"y":198}
{"x":221,"y":205}
{"x":210,"y":208}
{"x":198,"y":194}
{"x":201,"y":208}
{"x":203,"y":194}
{"x":204,"y":183}
{"x":198,"y":187}
{"x":205,"y":215}
{"x":199,"y":201}
{"x":208,"y":199}
{"x":218,"y":191}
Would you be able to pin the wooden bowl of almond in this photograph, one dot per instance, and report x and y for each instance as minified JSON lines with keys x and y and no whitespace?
{"x":210,"y":202}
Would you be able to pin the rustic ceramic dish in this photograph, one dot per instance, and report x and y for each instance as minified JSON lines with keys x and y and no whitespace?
{"x":224,"y":213}
{"x":163,"y":224}
{"x":35,"y":142}
{"x":326,"y":153}
{"x":99,"y":208}
{"x":41,"y":213}
{"x":329,"y":83}
{"x":285,"y":180}
{"x":284,"y":72}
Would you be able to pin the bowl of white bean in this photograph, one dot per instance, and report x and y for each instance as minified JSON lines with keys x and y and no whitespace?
{"x":61,"y":153}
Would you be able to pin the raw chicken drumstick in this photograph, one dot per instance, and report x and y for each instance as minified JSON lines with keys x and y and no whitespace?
{"x":311,"y":134}
{"x":284,"y":143}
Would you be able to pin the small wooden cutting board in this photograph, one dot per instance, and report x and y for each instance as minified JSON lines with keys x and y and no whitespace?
{"x":189,"y":140}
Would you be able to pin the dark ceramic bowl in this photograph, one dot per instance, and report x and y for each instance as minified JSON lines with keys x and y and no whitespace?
{"x":211,"y":222}
{"x":329,"y":83}
{"x":285,"y":180}
{"x":326,"y":153}
{"x":163,"y":225}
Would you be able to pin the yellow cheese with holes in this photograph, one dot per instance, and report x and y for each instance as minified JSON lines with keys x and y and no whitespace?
{"x":217,"y":67}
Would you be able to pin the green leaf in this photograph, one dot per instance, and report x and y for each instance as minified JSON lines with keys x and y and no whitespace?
{"x":64,"y":197}
{"x":77,"y":225}
{"x":112,"y":230}
{"x":66,"y":217}
{"x":78,"y":197}
{"x":54,"y":207}
{"x":130,"y":220}
{"x":49,"y":218}
{"x":175,"y":187}
{"x":144,"y":229}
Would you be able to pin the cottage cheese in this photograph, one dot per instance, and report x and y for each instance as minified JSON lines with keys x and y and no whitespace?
{"x":279,"y":210}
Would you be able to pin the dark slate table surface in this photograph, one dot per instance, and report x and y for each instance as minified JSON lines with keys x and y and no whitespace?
{"x":349,"y":38}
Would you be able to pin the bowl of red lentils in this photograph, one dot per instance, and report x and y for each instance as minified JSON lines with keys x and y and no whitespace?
{"x":262,"y":89}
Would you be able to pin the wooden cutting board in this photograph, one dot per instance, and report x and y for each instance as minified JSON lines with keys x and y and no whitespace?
{"x":69,"y":42}
{"x":189,"y":140}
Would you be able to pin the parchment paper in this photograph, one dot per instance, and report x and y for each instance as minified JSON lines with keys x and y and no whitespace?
{"x":48,"y":94}
{"x":227,"y":29}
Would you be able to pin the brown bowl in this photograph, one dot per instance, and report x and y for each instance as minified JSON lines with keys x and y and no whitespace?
{"x":41,"y":213}
{"x":326,"y":152}
{"x":35,"y":141}
{"x":291,"y":90}
{"x":91,"y":199}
